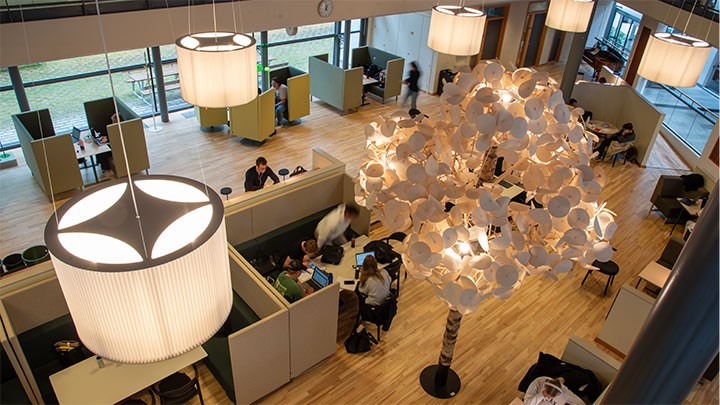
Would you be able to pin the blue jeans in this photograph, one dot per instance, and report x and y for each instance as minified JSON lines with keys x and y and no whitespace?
{"x":279,"y":112}
{"x":413,"y":95}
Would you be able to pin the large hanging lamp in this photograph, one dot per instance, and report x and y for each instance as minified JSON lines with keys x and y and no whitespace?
{"x":673,"y":59}
{"x":143,"y":265}
{"x":569,"y":15}
{"x":217,"y":69}
{"x":456,"y":30}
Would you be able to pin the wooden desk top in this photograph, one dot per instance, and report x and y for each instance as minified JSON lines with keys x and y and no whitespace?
{"x":86,"y":383}
{"x":602,"y":127}
{"x":655,"y":274}
{"x":91,"y":148}
{"x":368,"y":80}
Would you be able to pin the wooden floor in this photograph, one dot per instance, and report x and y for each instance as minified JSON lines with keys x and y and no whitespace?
{"x":495,"y":346}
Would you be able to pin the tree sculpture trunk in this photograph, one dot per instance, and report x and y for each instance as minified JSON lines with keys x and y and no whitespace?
{"x":452,"y":327}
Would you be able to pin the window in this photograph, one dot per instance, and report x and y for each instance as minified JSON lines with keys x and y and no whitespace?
{"x":623,"y":28}
{"x":8,"y":107}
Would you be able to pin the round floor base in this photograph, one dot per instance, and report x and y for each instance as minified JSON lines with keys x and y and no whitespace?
{"x":448,"y":390}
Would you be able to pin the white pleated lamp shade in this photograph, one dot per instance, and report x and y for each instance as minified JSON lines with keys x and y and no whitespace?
{"x":456,"y":30}
{"x":569,"y":15}
{"x":141,"y":291}
{"x":217,"y":69}
{"x":673,"y":59}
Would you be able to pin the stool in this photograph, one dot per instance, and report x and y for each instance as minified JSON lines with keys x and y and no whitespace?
{"x":283,"y":172}
{"x":610,"y":269}
{"x":226,"y":192}
{"x":13,"y":262}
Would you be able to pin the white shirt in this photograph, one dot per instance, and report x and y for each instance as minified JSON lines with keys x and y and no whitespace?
{"x":375,"y":289}
{"x":534,"y":395}
{"x":331,"y":228}
{"x":281,"y":93}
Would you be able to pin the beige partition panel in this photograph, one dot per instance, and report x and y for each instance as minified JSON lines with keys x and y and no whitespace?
{"x":580,"y":352}
{"x":210,"y":117}
{"x":35,"y":305}
{"x":299,"y":96}
{"x":10,"y":352}
{"x":259,"y":353}
{"x":621,"y":104}
{"x":133,"y":137}
{"x":34,"y":390}
{"x":313,"y":328}
{"x":625,"y":319}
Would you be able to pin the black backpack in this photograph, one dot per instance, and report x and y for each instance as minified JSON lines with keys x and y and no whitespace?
{"x":359,"y":342}
{"x":384,"y":253}
{"x":298,"y":170}
{"x":332,"y":254}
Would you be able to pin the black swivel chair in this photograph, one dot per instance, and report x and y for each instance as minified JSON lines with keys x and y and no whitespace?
{"x":178,"y":388}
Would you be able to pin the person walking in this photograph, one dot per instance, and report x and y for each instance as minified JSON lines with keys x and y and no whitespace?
{"x":413,"y":89}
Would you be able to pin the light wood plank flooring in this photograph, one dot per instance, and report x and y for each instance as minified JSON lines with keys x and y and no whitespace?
{"x":495,"y":346}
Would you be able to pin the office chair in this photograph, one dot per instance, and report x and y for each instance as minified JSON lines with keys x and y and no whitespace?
{"x":379,"y":315}
{"x":178,"y":388}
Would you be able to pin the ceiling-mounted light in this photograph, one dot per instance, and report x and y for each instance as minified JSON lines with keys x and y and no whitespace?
{"x":217,"y":69}
{"x":144,"y":271}
{"x":456,"y":30}
{"x":569,"y":15}
{"x":673,"y":59}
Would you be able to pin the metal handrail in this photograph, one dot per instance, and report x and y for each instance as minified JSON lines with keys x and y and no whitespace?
{"x":695,"y":106}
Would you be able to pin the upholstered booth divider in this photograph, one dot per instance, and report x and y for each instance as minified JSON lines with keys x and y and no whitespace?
{"x":35,"y":128}
{"x":99,"y":117}
{"x":14,"y":386}
{"x":393,"y":66}
{"x":256,"y":119}
{"x":621,"y":104}
{"x":211,"y":117}
{"x":341,"y":88}
{"x":298,"y":83}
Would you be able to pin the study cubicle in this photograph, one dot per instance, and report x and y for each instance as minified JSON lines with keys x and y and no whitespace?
{"x":252,"y":217}
{"x":49,"y":157}
{"x":341,"y":88}
{"x":298,"y":84}
{"x":99,"y":117}
{"x":391,"y":65}
{"x":619,"y":104}
{"x":244,"y":360}
{"x":254,"y":120}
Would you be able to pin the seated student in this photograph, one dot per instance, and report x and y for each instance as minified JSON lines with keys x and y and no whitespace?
{"x":281,"y":96}
{"x":331,"y":229}
{"x":287,"y":282}
{"x":546,"y":390}
{"x":303,"y":250}
{"x":105,"y":159}
{"x":256,"y":176}
{"x":374,"y":282}
{"x":626,"y":134}
{"x":587,"y":115}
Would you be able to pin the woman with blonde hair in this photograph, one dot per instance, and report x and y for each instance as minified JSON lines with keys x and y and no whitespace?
{"x":550,"y":391}
{"x":374,"y":282}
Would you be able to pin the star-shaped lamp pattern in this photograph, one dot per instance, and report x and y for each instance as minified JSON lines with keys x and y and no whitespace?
{"x":436,"y":179}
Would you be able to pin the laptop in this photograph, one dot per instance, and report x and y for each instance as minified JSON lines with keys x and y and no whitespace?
{"x":319,"y":278}
{"x":360,"y":257}
{"x":75,"y":134}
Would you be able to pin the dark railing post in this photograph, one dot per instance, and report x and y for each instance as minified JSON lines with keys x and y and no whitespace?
{"x":19,"y":89}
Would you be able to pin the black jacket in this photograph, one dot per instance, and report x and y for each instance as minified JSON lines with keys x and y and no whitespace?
{"x":256,"y":181}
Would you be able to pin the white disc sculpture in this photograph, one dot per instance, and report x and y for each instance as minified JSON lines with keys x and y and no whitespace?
{"x":435,"y":180}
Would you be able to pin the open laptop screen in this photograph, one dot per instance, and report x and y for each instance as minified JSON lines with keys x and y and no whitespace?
{"x":360,"y":257}
{"x":320,"y":277}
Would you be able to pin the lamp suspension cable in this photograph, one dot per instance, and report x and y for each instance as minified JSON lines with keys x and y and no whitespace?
{"x":689,"y":17}
{"x":122,"y":138}
{"x":37,"y":112}
{"x":232,"y":5}
{"x":189,"y":24}
{"x":676,"y":18}
{"x":214,"y":20}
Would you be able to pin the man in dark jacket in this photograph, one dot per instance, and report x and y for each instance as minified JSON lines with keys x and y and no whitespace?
{"x":257,"y":175}
{"x":413,"y":89}
{"x":626,"y":134}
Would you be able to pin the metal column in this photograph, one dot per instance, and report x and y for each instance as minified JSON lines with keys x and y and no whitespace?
{"x":160,"y":83}
{"x":264,"y":60}
{"x":336,"y":44}
{"x":363,"y":31}
{"x":680,"y":336}
{"x":19,"y":89}
{"x":346,"y":44}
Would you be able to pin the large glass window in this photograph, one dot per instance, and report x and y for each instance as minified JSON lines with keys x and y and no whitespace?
{"x":8,"y":107}
{"x":623,"y":28}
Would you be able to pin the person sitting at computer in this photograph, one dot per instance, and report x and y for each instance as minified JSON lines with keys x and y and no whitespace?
{"x":546,"y":390}
{"x":256,"y":176}
{"x":331,"y":229}
{"x":374,"y":282}
{"x":626,"y":134}
{"x":105,"y":159}
{"x":303,"y":250}
{"x":281,"y":96}
{"x":288,"y":285}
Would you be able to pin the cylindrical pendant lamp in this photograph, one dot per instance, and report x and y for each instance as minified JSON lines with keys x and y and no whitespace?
{"x":217,"y":69}
{"x":569,"y":15}
{"x":674,"y":59}
{"x":148,"y":289}
{"x":456,"y":30}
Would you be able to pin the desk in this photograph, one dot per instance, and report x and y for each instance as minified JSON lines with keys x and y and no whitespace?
{"x":91,"y":150}
{"x":602,"y":128}
{"x":86,"y":383}
{"x":344,"y":270}
{"x":693,"y":210}
{"x":655,"y":274}
{"x":366,"y":81}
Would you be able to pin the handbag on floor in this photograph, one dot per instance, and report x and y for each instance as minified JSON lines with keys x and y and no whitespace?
{"x":359,"y":342}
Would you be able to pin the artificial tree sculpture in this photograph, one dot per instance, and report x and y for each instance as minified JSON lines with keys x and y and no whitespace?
{"x":467,"y":237}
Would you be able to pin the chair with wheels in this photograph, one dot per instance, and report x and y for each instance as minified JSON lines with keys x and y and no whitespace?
{"x":178,"y":388}
{"x":609,"y":268}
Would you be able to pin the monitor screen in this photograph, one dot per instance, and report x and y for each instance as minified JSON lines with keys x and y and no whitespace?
{"x":75,"y":134}
{"x":319,"y":276}
{"x":360,"y":257}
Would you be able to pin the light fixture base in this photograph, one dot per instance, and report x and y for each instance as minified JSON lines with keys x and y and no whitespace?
{"x":431,"y":379}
